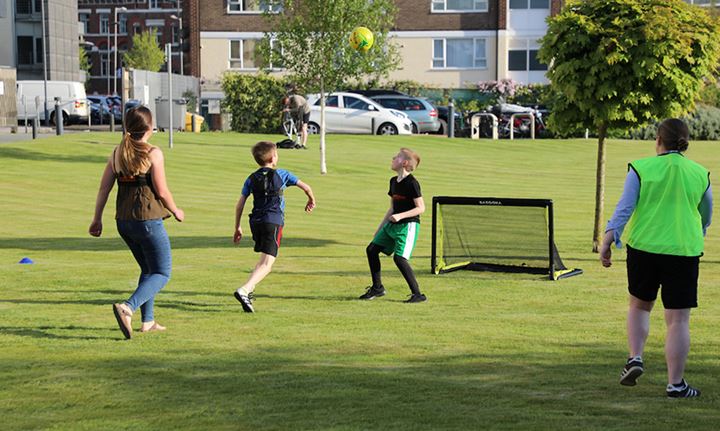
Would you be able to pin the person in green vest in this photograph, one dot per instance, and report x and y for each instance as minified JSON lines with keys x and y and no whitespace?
{"x":667,"y":206}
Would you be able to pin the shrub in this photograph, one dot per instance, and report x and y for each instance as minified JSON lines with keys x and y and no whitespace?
{"x":253,"y":101}
{"x":704,"y":125}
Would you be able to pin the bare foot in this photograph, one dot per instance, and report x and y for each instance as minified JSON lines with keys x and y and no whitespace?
{"x":152,"y":326}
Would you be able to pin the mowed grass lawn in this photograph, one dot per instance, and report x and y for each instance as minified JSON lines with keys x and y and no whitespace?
{"x":487,"y":351}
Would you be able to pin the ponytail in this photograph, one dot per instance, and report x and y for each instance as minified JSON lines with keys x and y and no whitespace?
{"x":134,"y":157}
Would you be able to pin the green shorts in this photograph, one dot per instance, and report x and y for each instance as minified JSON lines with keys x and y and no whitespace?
{"x":398,"y":238}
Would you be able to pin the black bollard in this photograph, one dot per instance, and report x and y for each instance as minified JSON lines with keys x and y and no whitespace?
{"x":34,"y":127}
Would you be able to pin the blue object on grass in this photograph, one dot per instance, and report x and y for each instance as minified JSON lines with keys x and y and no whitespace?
{"x":26,"y":261}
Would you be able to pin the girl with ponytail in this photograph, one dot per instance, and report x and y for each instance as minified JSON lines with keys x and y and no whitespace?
{"x":667,"y":206}
{"x":143,"y":201}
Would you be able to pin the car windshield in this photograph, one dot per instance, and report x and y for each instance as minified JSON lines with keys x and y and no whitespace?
{"x":355,"y":103}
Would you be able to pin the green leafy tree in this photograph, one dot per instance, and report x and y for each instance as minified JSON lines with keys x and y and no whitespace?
{"x":145,"y":53}
{"x":616,"y":64}
{"x":309,"y":39}
{"x":84,"y":63}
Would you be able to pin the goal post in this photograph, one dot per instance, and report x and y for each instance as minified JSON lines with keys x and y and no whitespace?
{"x":495,"y":234}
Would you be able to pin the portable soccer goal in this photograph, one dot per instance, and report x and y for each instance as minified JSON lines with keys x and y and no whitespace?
{"x":495,"y":234}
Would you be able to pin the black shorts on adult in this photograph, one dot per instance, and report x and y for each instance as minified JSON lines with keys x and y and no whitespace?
{"x":267,"y":237}
{"x":304,"y":118}
{"x":678,"y":276}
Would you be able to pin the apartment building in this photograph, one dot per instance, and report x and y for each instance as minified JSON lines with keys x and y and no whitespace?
{"x":444,"y":43}
{"x":175,"y":21}
{"x":21,"y":30}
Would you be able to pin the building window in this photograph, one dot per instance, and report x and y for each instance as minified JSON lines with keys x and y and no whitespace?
{"x":104,"y":24}
{"x":25,"y":50}
{"x":154,"y":4}
{"x":158,"y":35}
{"x":252,"y":6}
{"x":459,"y":5}
{"x":523,"y":60}
{"x":104,"y":64}
{"x":459,"y":54}
{"x":245,"y":54}
{"x":122,"y":25}
{"x":38,"y":50}
{"x":529,"y":4}
{"x":85,"y":19}
{"x":136,"y":29}
{"x":27,"y":7}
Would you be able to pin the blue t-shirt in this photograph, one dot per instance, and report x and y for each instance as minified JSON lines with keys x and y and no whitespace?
{"x":275,"y":215}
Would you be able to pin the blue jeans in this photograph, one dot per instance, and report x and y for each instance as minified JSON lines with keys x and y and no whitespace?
{"x":149,"y":243}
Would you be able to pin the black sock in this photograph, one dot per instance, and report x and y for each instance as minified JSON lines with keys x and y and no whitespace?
{"x":407,"y":272}
{"x":373,"y":255}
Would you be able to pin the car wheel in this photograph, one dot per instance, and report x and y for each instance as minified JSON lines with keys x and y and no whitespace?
{"x":387,"y":129}
{"x":313,"y":128}
{"x":414,"y":129}
{"x":443,"y":128}
{"x":65,"y":119}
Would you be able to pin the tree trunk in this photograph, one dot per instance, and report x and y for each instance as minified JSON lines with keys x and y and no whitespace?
{"x":323,"y":165}
{"x":599,"y":188}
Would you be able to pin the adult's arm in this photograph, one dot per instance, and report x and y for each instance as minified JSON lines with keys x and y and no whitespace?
{"x":106,"y":184}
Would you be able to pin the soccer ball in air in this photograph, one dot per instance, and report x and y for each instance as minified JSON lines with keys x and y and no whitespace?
{"x":361,"y":39}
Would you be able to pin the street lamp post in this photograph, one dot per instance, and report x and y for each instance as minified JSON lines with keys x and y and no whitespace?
{"x":180,"y":39}
{"x":44,"y":49}
{"x":115,"y":48}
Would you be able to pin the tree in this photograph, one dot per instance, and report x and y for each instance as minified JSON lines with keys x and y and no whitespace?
{"x":84,"y":63}
{"x":145,"y":53}
{"x":310,"y":40}
{"x":616,"y":64}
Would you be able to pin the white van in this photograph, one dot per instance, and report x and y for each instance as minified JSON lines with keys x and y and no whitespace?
{"x":73,"y":100}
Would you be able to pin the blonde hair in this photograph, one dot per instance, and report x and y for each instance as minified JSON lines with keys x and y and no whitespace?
{"x":133,"y":151}
{"x":262,"y":152}
{"x":411,"y":157}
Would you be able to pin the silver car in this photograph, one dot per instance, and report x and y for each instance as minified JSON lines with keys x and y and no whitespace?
{"x":422,"y":113}
{"x":354,"y":113}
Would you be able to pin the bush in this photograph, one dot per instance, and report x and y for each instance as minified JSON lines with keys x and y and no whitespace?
{"x":253,"y":101}
{"x":704,"y":125}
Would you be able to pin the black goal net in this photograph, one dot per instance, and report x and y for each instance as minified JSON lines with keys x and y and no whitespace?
{"x":495,"y":234}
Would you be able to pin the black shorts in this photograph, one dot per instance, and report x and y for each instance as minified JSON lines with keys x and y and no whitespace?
{"x":678,"y":276}
{"x":267,"y":237}
{"x":303,"y":118}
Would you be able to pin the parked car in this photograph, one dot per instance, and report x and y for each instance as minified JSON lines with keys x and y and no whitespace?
{"x":99,"y":109}
{"x":73,"y":100}
{"x":422,"y":113}
{"x":354,"y":113}
{"x":461,"y":129}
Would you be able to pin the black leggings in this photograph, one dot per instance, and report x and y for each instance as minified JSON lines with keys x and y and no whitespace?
{"x":373,"y":254}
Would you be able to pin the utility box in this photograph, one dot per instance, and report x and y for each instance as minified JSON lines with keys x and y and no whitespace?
{"x":162,"y":120}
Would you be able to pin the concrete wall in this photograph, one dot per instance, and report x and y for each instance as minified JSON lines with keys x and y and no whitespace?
{"x":146,"y":86}
{"x":63,"y":40}
{"x":7,"y":33}
{"x":8,"y":108}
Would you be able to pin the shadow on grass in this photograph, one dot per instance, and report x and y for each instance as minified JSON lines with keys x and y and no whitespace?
{"x":350,"y":388}
{"x":51,"y":332}
{"x":115,"y":244}
{"x":22,"y":154}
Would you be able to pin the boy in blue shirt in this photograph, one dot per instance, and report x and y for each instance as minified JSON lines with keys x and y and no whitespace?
{"x":267,"y":217}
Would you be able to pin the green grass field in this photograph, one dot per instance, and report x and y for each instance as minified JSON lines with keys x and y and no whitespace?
{"x":487,"y":351}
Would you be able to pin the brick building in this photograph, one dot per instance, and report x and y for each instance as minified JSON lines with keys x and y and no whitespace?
{"x":167,"y":17}
{"x":445,"y":43}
